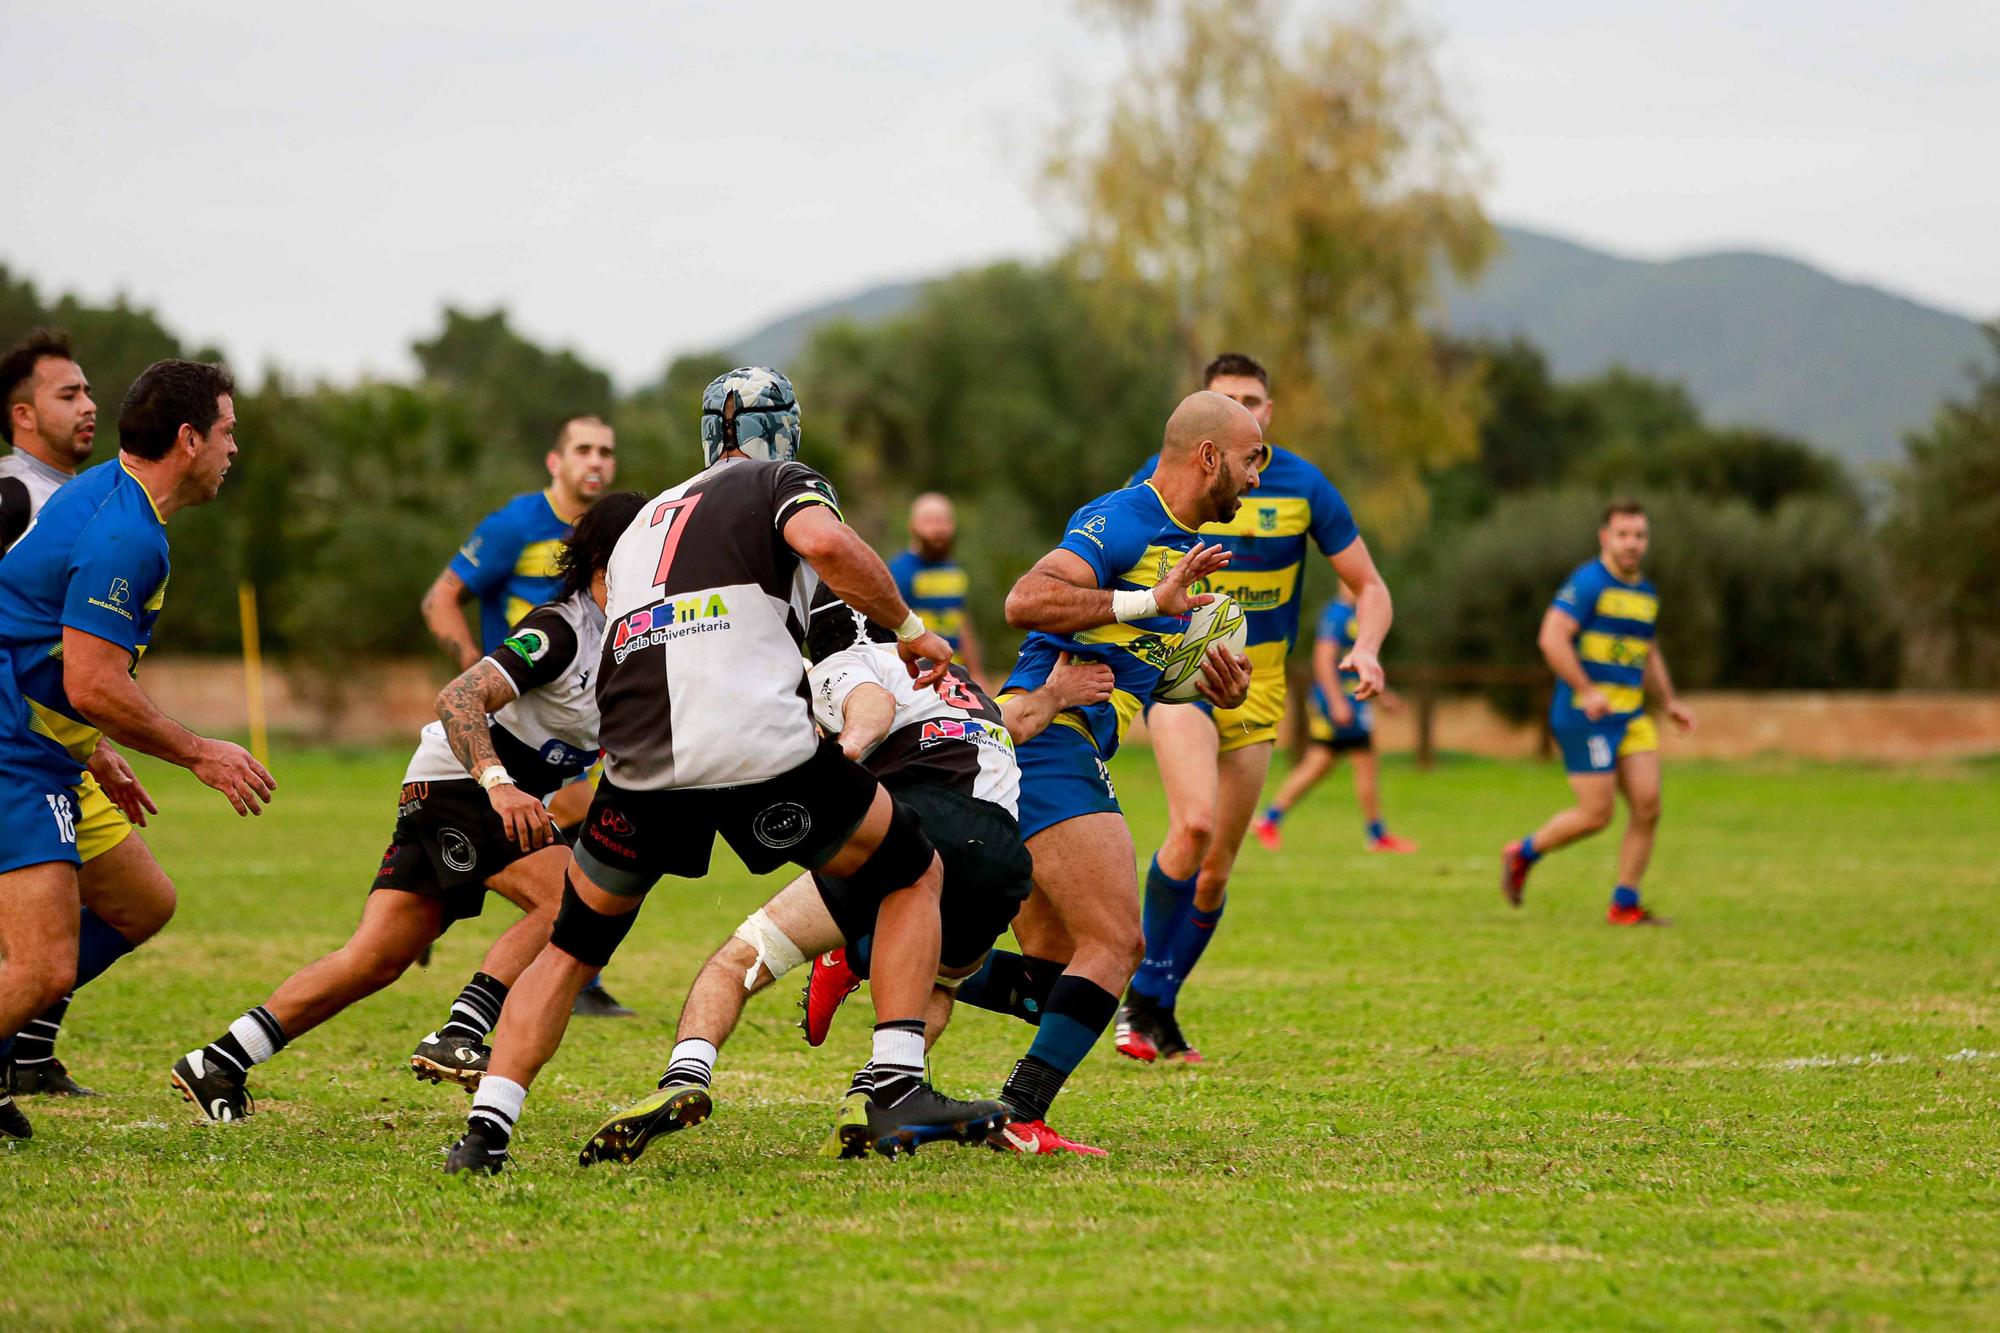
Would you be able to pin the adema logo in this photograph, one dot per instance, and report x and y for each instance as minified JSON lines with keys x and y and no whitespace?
{"x":783,"y":825}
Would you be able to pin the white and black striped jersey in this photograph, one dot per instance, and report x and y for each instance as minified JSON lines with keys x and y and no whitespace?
{"x":701,"y":683}
{"x":951,"y":736}
{"x":26,"y":483}
{"x":547,"y":734}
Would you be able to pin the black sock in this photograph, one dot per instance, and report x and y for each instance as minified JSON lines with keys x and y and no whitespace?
{"x":898,"y":1067}
{"x":1078,"y":1012}
{"x":863,"y":1080}
{"x":476,"y":1011}
{"x":1011,"y":983}
{"x":35,"y":1044}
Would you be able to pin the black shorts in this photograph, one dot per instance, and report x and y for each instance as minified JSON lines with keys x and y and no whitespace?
{"x":988,"y":874}
{"x":448,"y":842}
{"x":1346,"y":741}
{"x":631,"y":838}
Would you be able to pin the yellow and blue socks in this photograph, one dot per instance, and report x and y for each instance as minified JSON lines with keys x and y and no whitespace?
{"x":1077,"y":1013}
{"x":1274,"y":814}
{"x":1624,"y":896}
{"x":1377,"y":830}
{"x":1197,"y":928}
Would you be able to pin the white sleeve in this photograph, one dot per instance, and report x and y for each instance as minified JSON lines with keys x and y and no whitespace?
{"x":832,"y":681}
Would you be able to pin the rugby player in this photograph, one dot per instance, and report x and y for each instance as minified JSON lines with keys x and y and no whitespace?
{"x":1598,"y":638}
{"x":79,"y":595}
{"x":1336,"y":723}
{"x":52,"y":423}
{"x":947,"y":755}
{"x":1213,"y":761}
{"x":933,"y":583}
{"x":1117,"y":589}
{"x":519,"y":723}
{"x":706,"y":729}
{"x":508,"y":566}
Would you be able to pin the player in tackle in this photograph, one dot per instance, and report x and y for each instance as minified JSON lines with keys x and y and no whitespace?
{"x":706,"y":729}
{"x":513,"y":727}
{"x":946,"y":754}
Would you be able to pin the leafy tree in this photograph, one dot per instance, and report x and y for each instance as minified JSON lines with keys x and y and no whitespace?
{"x":1761,"y":468}
{"x":520,"y":391}
{"x":1944,"y":533}
{"x":1292,"y":187}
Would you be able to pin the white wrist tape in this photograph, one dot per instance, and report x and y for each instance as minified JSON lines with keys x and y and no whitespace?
{"x":911,"y":628}
{"x":1130,"y":606}
{"x":495,"y":775}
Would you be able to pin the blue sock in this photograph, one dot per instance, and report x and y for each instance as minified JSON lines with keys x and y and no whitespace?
{"x":1197,"y":928}
{"x":98,"y":946}
{"x":1623,"y":896}
{"x":858,"y":954}
{"x":1009,"y":983}
{"x":1528,"y":853}
{"x":1376,"y":830}
{"x":1274,"y":815}
{"x":1167,"y":903}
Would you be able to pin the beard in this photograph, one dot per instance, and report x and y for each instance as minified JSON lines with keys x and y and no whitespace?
{"x":1224,"y":499}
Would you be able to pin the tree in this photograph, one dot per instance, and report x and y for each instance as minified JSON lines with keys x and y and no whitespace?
{"x":1944,"y":534}
{"x":520,"y":391}
{"x":1292,"y":190}
{"x":1761,"y":468}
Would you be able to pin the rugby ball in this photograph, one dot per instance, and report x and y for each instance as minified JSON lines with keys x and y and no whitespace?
{"x":1219,"y":622}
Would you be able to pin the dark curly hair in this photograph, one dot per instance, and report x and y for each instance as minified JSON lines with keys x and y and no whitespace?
{"x":588,"y":547}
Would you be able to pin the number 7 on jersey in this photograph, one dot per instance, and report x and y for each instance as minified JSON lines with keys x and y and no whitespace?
{"x":675,"y":514}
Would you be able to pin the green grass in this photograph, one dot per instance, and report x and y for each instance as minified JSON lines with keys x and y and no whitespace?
{"x":1419,"y":1107}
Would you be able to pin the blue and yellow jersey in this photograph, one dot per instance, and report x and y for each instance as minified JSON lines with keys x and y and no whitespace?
{"x":96,"y":561}
{"x":935,"y":590}
{"x":1614,"y":637}
{"x":509,"y":562}
{"x":1336,"y":626}
{"x":1267,"y":544}
{"x":1130,"y":539}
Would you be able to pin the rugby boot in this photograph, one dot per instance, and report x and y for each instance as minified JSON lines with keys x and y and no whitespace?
{"x":1514,"y":870}
{"x":593,"y":1001}
{"x":44,"y":1078}
{"x":1266,"y":829}
{"x":1389,"y":842}
{"x":928,"y":1116}
{"x":849,"y":1136}
{"x":454,"y":1059}
{"x":827,"y":987}
{"x":1635,"y":915}
{"x":475,"y":1154}
{"x":1034,"y":1138}
{"x":625,"y":1135}
{"x":1168,"y":1040}
{"x":217,"y":1091}
{"x":1132,"y":1032}
{"x":13,"y":1124}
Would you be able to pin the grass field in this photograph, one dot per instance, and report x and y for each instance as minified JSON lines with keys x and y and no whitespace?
{"x":1419,"y":1107}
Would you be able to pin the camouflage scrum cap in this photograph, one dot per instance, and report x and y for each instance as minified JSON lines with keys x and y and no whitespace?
{"x":762,"y":421}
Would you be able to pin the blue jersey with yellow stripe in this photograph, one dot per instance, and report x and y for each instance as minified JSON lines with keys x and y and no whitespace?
{"x":509,"y":562}
{"x":935,"y":590}
{"x":1267,"y":544}
{"x":1614,"y":638}
{"x":1130,"y":539}
{"x":96,"y":561}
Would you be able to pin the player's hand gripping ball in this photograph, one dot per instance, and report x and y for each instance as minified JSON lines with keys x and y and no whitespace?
{"x":1220,"y":622}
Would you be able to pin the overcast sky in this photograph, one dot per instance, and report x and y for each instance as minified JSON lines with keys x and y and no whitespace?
{"x":306,"y":185}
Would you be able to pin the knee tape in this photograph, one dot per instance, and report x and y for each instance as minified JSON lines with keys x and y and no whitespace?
{"x":775,"y":951}
{"x":585,"y":933}
{"x":901,"y":858}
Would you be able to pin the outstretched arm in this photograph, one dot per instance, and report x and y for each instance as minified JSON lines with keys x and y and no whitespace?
{"x":1070,"y":685}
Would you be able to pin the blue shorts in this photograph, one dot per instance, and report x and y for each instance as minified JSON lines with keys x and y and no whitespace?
{"x":1596,"y":747}
{"x":38,"y":818}
{"x":1061,"y":778}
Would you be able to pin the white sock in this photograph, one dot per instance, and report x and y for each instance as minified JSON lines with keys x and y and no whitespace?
{"x":498,"y":1102}
{"x":899,"y":1050}
{"x":256,"y":1041}
{"x":693,"y":1063}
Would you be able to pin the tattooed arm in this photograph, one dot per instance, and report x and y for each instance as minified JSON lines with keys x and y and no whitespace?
{"x":462,"y":707}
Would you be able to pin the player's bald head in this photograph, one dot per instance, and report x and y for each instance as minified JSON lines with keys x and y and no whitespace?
{"x":1206,"y":416}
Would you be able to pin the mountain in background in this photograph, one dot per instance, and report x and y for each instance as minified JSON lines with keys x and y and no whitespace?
{"x":1758,"y":339}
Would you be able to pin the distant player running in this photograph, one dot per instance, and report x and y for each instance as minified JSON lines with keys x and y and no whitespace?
{"x":79,"y":595}
{"x":52,"y":424}
{"x":946,"y":754}
{"x":517,"y":725}
{"x":1598,"y":638}
{"x":508,"y":565}
{"x":1118,"y":590}
{"x":707,"y":729}
{"x":1337,"y":724}
{"x":1214,"y":761}
{"x":934,"y":584}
